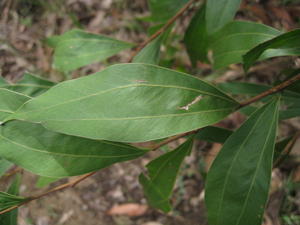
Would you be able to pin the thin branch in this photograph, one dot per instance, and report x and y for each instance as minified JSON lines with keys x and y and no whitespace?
{"x":271,"y":91}
{"x":58,"y":188}
{"x":163,"y":29}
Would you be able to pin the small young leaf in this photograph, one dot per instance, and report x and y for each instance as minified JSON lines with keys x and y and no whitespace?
{"x":162,"y":176}
{"x":77,"y":48}
{"x":219,"y":13}
{"x":196,"y":38}
{"x":236,"y":38}
{"x":30,"y":85}
{"x":238,"y":182}
{"x":10,"y":101}
{"x":285,"y":44}
{"x":28,"y":144}
{"x":129,"y":103}
{"x":213,"y":134}
{"x":162,"y":10}
{"x":150,"y":53}
{"x":11,"y":218}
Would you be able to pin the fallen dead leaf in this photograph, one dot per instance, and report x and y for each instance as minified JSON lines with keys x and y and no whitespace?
{"x":128,"y":209}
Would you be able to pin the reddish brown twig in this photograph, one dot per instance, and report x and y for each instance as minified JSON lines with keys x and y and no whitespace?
{"x":271,"y":91}
{"x":163,"y":29}
{"x":58,"y":188}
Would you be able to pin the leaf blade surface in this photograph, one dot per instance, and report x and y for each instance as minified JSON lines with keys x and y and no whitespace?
{"x":77,"y":48}
{"x":162,"y":172}
{"x":130,"y":103}
{"x":27,"y":144}
{"x":238,"y":181}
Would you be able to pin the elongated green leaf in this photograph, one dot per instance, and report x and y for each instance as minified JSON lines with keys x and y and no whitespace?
{"x":150,"y":53}
{"x":238,"y":182}
{"x":285,"y":44}
{"x":10,"y":101}
{"x":162,"y":10}
{"x":4,"y":166}
{"x":236,"y":38}
{"x":8,"y":200}
{"x":30,"y":85}
{"x":129,"y":103}
{"x":11,"y":218}
{"x":196,"y":38}
{"x":27,"y":145}
{"x":219,"y":13}
{"x":77,"y":48}
{"x":213,"y":134}
{"x":162,"y":176}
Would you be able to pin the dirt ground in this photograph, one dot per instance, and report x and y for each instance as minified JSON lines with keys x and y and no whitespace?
{"x":24,"y":24}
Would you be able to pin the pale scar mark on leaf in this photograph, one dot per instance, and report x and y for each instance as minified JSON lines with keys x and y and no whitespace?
{"x":186,"y":107}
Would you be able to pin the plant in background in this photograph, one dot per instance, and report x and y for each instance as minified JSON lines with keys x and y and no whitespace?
{"x":81,"y":126}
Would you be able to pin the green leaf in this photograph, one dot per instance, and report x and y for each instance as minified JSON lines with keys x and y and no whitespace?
{"x":77,"y":48}
{"x":11,"y":218}
{"x":129,"y":103}
{"x":236,"y":38}
{"x":243,"y":88}
{"x":150,"y":53}
{"x":238,"y":182}
{"x":9,"y":200}
{"x":10,"y":101}
{"x":213,"y":134}
{"x":30,"y":85}
{"x":196,"y":38}
{"x":219,"y":13}
{"x":45,"y":181}
{"x":162,"y":173}
{"x":27,"y":144}
{"x":4,"y":166}
{"x":162,"y":10}
{"x":285,"y":44}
